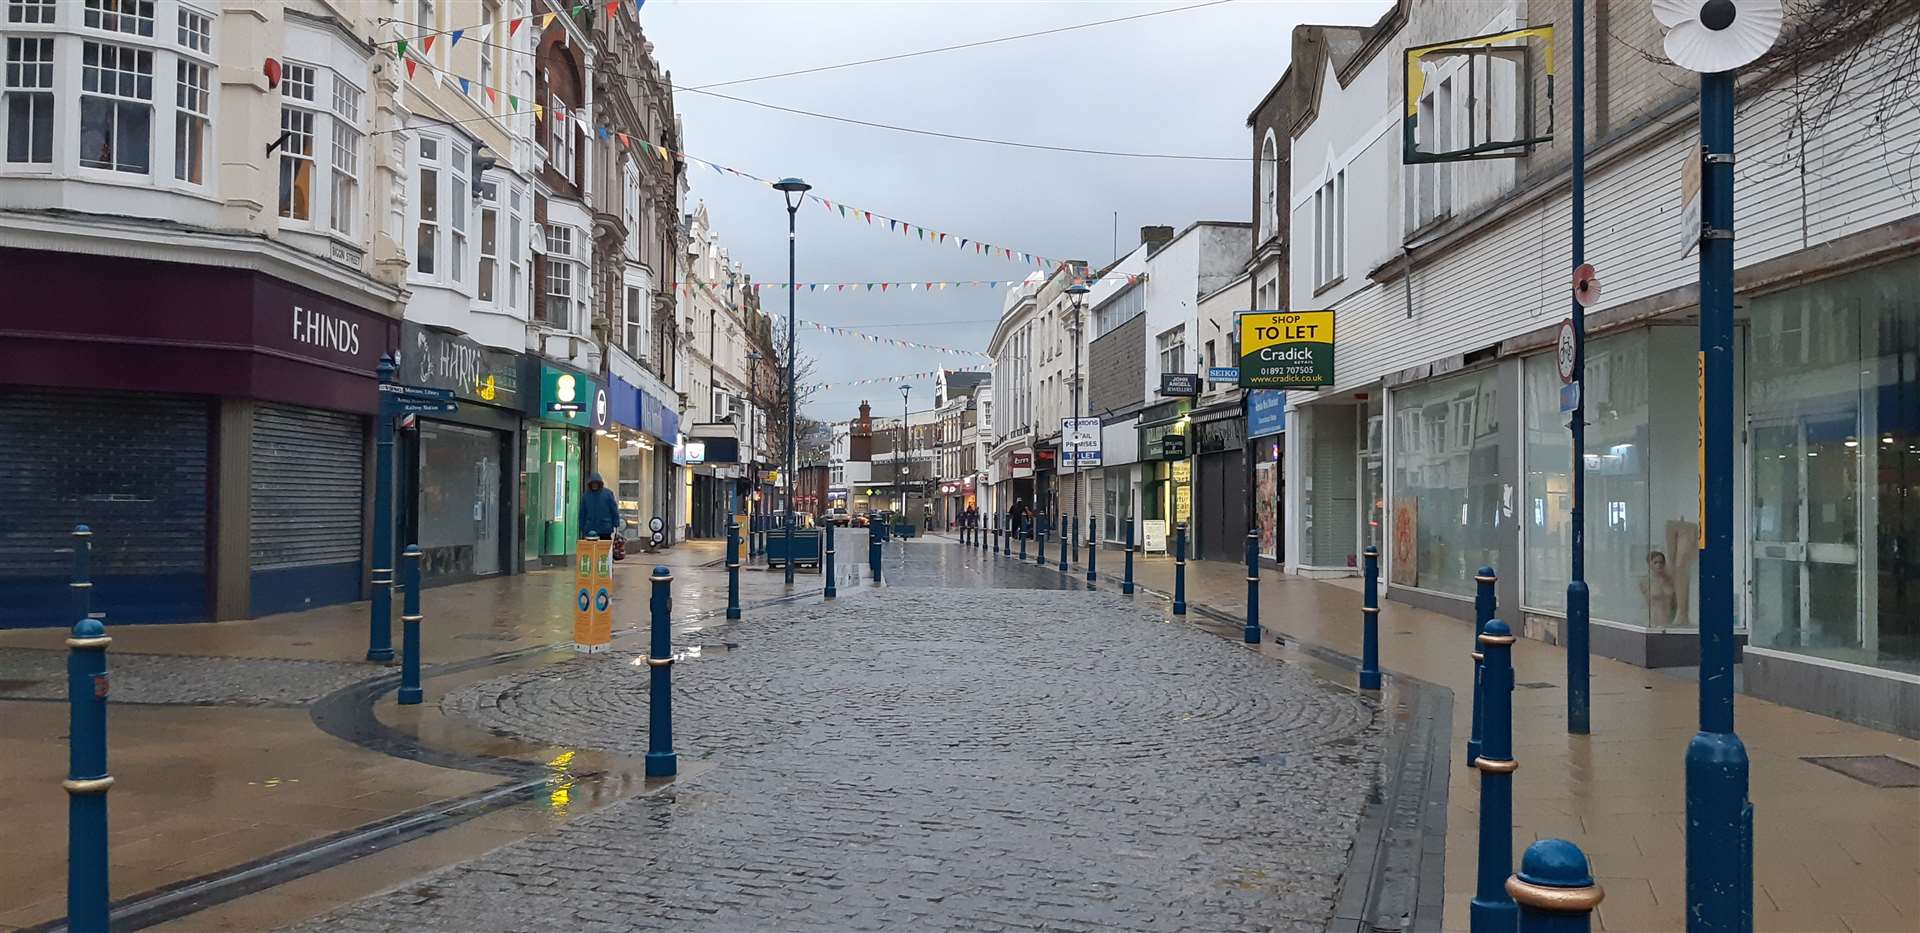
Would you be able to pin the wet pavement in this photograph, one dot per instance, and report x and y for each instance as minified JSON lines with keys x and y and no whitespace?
{"x":242,"y":802}
{"x":932,"y":754}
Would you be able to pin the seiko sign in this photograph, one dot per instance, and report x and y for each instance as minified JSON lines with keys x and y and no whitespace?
{"x":319,"y":329}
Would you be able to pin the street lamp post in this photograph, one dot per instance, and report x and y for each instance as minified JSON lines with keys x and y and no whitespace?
{"x":901,"y":458}
{"x":1079,"y":292}
{"x":753,"y":474}
{"x":794,"y":190}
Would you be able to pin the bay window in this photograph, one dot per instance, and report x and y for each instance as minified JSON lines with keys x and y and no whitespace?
{"x":516,"y":249}
{"x":485,"y":290}
{"x":557,"y":308}
{"x":457,"y":213}
{"x":345,"y":185}
{"x":296,"y":147}
{"x":561,"y":152}
{"x":116,"y":107}
{"x":635,"y":338}
{"x":132,"y":17}
{"x":190,"y":121}
{"x":29,"y":98}
{"x":426,"y":251}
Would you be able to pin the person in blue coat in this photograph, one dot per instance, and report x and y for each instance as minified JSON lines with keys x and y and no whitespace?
{"x":599,"y":510}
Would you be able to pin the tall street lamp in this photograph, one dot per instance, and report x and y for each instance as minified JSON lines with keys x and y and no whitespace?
{"x":1079,"y":292}
{"x":795,"y":191}
{"x":905,"y":390}
{"x":753,"y":407}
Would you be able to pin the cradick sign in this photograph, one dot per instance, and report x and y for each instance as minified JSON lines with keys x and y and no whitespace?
{"x":1286,"y":349}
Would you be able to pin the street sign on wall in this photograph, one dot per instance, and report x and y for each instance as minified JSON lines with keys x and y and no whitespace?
{"x":1286,"y":349}
{"x":1223,"y":374}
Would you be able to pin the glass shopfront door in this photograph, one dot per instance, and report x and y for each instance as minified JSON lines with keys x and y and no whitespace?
{"x":1806,"y":524}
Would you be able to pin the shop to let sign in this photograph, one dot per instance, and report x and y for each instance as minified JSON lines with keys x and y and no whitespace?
{"x":1286,"y":349}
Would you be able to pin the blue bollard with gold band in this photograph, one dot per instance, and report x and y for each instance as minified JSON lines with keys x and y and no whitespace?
{"x":1370,"y":620}
{"x":1252,"y":634}
{"x":661,"y":761}
{"x":733,"y":570}
{"x":1554,"y":889}
{"x":832,"y":590}
{"x":1126,"y":582}
{"x":1484,"y":607}
{"x":1093,"y":547}
{"x":81,"y":587}
{"x":1066,"y":543}
{"x":1492,"y":909}
{"x":410,"y":693}
{"x":87,"y":779}
{"x":1180,"y":569}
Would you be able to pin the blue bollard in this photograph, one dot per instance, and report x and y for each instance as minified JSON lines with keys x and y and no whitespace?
{"x":832,"y":591}
{"x":1180,"y":570}
{"x":410,"y":692}
{"x":1126,"y":583}
{"x":1555,"y":889}
{"x":82,"y":584}
{"x":873,"y":554}
{"x":1252,"y":634}
{"x":1484,"y":607}
{"x":1024,"y":534}
{"x":661,"y":761}
{"x":1093,"y":547}
{"x":1040,"y":531}
{"x":1065,"y":542}
{"x":1493,"y":910}
{"x":733,"y":569}
{"x":1370,"y":621}
{"x":87,"y":780}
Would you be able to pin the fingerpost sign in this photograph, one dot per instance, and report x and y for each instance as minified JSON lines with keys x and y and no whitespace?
{"x":1286,"y":349}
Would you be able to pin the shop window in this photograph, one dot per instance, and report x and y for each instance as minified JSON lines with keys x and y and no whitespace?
{"x":1449,"y":490}
{"x":1833,"y":487}
{"x":116,"y":107}
{"x":132,"y":17}
{"x":29,"y":92}
{"x":1641,"y":531}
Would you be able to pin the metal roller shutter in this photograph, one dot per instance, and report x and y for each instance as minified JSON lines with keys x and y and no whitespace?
{"x":309,"y":471}
{"x":131,"y":467}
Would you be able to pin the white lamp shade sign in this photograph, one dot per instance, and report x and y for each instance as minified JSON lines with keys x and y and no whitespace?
{"x":1710,"y":36}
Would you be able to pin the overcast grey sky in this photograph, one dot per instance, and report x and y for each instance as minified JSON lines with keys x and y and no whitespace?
{"x":1181,"y":83}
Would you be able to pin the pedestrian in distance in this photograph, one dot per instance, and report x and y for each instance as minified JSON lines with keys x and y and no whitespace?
{"x":599,"y":510}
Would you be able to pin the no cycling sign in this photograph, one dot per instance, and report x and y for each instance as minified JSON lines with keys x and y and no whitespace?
{"x":1286,"y":349}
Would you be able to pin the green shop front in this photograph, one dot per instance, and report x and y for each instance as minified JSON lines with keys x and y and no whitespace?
{"x":553,"y":473}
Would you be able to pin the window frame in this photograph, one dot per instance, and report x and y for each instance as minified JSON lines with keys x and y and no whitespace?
{"x":117,"y":74}
{"x":427,"y":261}
{"x":486,"y":283}
{"x":344,"y":139}
{"x":35,"y":95}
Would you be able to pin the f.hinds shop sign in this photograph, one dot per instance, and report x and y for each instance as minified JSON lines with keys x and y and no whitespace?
{"x":326,"y":331}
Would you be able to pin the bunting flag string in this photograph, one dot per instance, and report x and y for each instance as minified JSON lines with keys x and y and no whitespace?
{"x":473,"y":88}
{"x":870,"y":381}
{"x":934,"y":286}
{"x":890,"y":341}
{"x":425,"y":38}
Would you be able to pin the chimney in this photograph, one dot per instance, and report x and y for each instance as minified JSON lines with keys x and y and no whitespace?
{"x":860,"y":438}
{"x":1155,"y":237}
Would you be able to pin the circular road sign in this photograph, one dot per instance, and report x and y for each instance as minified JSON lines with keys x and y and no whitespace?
{"x":1566,"y":353}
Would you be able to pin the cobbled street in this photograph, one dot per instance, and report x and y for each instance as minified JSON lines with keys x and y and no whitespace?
{"x":932,"y":755}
